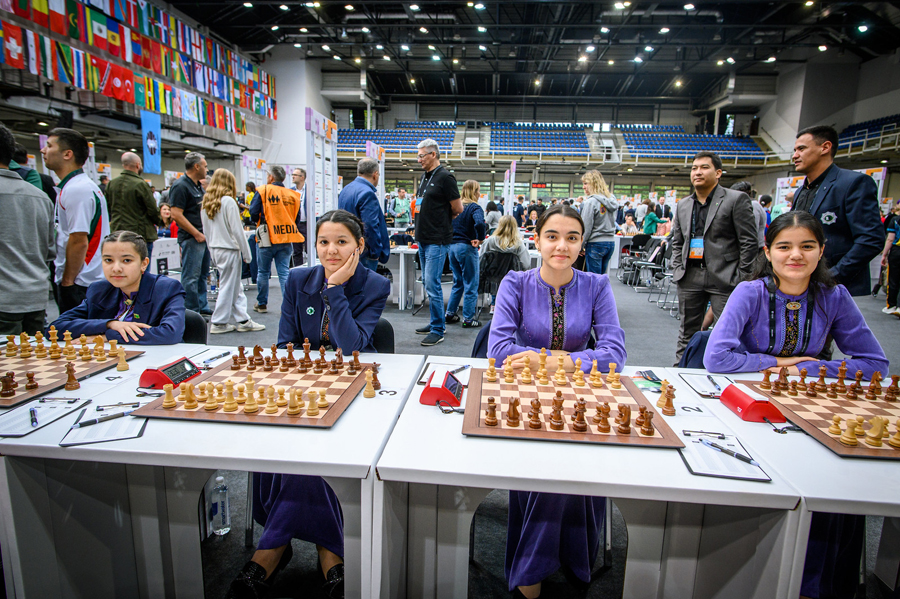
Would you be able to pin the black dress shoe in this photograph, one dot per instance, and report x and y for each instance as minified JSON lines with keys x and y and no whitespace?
{"x":249,"y":584}
{"x":334,"y":583}
{"x":517,"y":594}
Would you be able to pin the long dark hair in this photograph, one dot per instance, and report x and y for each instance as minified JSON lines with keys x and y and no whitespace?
{"x":560,"y":209}
{"x":492,"y":207}
{"x":821,"y":277}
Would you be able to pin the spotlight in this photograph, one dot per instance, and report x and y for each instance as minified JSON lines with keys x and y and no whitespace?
{"x":648,"y":48}
{"x":430,"y":47}
{"x":365,"y":30}
{"x":582,"y":58}
{"x":482,"y":29}
{"x":823,"y":48}
{"x":688,"y":7}
{"x":304,"y":30}
{"x":863,"y":28}
{"x":611,"y":62}
{"x":336,"y":57}
{"x":298,"y":45}
{"x":720,"y":62}
{"x":678,"y":83}
{"x":284,"y":7}
{"x":386,"y":57}
{"x":537,"y":81}
{"x":619,"y":6}
{"x":664,"y":30}
{"x":326,"y":47}
{"x":414,"y":7}
{"x":809,"y":2}
{"x":274,"y":27}
{"x":349,"y":8}
{"x":357,"y":60}
{"x":590,"y":49}
{"x":248,"y":4}
{"x":423,"y":29}
{"x":482,"y":48}
{"x":435,"y":57}
{"x":770,"y":59}
{"x":638,"y":59}
{"x":604,"y":30}
{"x":379,"y":47}
{"x":455,"y":61}
{"x":405,"y":48}
{"x":730,"y":60}
{"x":479,"y":6}
{"x":412,"y":80}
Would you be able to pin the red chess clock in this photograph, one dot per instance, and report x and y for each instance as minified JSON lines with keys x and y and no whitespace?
{"x":749,"y":405}
{"x":173,"y":374}
{"x":449,"y":390}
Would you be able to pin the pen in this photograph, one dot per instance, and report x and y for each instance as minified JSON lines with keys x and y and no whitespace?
{"x":460,"y":369}
{"x":733,"y":454}
{"x":33,"y":412}
{"x":100,"y":419}
{"x":714,"y":383}
{"x":214,"y":358}
{"x":134,"y":404}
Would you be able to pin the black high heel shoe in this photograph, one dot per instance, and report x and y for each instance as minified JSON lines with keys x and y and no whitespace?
{"x":251,"y":582}
{"x":334,"y":582}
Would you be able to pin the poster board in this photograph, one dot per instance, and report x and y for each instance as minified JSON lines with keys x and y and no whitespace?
{"x":321,"y":176}
{"x":376,"y":153}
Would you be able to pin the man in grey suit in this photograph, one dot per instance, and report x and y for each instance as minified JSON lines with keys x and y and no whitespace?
{"x":714,"y":245}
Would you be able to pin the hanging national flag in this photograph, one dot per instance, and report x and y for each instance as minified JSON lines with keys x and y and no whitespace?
{"x":196,"y":47}
{"x":113,"y":38}
{"x":65,"y":73}
{"x":97,"y":68}
{"x":173,"y":31}
{"x":140,"y":91}
{"x":150,"y":135}
{"x":149,"y":99}
{"x":176,"y":103}
{"x":159,"y":89}
{"x":167,"y":61}
{"x":13,"y":45}
{"x":74,"y":16}
{"x":147,"y":52}
{"x":101,"y":5}
{"x":40,"y":13}
{"x":167,"y":98}
{"x":48,"y":58}
{"x":137,"y":48}
{"x":156,"y":57}
{"x":22,"y":8}
{"x":58,"y":17}
{"x":120,"y":10}
{"x":183,"y":68}
{"x":200,"y":77}
{"x":79,"y":68}
{"x":128,"y":85}
{"x":34,"y":55}
{"x":98,"y":29}
{"x":188,"y":106}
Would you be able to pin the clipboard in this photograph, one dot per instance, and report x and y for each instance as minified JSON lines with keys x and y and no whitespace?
{"x":17,"y":421}
{"x":700,"y":384}
{"x":706,"y":461}
{"x":117,"y":429}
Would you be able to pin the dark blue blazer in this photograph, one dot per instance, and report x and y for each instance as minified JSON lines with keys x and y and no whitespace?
{"x":846,"y":204}
{"x":159,"y":303}
{"x":354,"y":309}
{"x":359,"y":198}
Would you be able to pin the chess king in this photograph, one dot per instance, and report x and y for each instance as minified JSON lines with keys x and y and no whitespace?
{"x":335,"y":305}
{"x":131,"y":305}
{"x":556,"y":307}
{"x":784,"y":317}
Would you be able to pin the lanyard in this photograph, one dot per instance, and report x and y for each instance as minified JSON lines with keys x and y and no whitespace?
{"x":695,"y":211}
{"x":424,"y":185}
{"x":807,"y":325}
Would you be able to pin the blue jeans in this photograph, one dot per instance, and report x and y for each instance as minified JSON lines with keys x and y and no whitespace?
{"x":279,"y":252}
{"x":248,"y":271}
{"x":194,"y":270}
{"x":370,"y":263}
{"x":597,"y":255}
{"x":431,"y":257}
{"x":464,"y":264}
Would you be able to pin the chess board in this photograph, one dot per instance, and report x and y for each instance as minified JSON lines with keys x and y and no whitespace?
{"x":50,"y":374}
{"x":480,"y":389}
{"x":814,"y":415}
{"x":340,"y":391}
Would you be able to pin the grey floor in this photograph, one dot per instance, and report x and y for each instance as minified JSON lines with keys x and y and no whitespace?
{"x":650,"y":340}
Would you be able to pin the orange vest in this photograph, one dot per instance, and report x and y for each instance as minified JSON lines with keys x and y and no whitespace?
{"x":280,"y":206}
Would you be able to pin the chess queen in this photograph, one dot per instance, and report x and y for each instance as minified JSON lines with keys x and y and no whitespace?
{"x":132,"y":305}
{"x":555,"y":307}
{"x":335,"y":305}
{"x":784,"y":317}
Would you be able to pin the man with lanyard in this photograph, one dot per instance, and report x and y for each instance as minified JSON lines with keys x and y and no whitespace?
{"x":438,"y":203}
{"x":298,"y":176}
{"x":714,"y":245}
{"x":81,"y":217}
{"x":400,"y":209}
{"x":276,"y":209}
{"x":185,"y":198}
{"x":358,"y":198}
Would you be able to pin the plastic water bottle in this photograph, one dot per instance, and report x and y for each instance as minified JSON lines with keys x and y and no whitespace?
{"x":220,"y":512}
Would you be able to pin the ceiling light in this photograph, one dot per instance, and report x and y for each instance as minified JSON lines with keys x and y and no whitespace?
{"x":482,"y":29}
{"x":186,"y":151}
{"x":326,"y":47}
{"x":298,"y":45}
{"x":435,"y":57}
{"x":412,"y":80}
{"x":303,"y":30}
{"x":316,"y":4}
{"x":42,"y":124}
{"x":822,"y":48}
{"x":430,"y":47}
{"x":664,"y":30}
{"x":678,"y":83}
{"x":770,"y":59}
{"x":729,"y":60}
{"x":479,"y":6}
{"x":720,"y":62}
{"x":134,"y":149}
{"x":423,"y":30}
{"x":470,"y":4}
{"x":455,"y":61}
{"x":405,"y":48}
{"x":638,"y":59}
{"x":863,"y":28}
{"x":349,"y":7}
{"x":537,"y":81}
{"x":413,"y":7}
{"x":619,"y":6}
{"x":357,"y":60}
{"x":410,"y":170}
{"x":688,"y":7}
{"x":386,"y":57}
{"x":626,"y":3}
{"x":630,"y":169}
{"x":884,"y":162}
{"x":379,"y":47}
{"x":274,"y":27}
{"x":336,"y":57}
{"x":604,"y":30}
{"x":482,"y":48}
{"x":590,"y":49}
{"x":648,"y":48}
{"x":309,"y":5}
{"x":284,"y":7}
{"x":248,"y":4}
{"x":365,"y":30}
{"x":809,"y":2}
{"x":611,"y":62}
{"x":582,"y":58}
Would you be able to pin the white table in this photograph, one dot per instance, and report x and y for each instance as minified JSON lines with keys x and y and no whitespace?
{"x":821,"y":477}
{"x":121,"y":518}
{"x":407,"y":278}
{"x":689,"y":536}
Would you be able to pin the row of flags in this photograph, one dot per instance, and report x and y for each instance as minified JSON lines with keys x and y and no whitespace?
{"x":137,"y":30}
{"x":40,"y":55}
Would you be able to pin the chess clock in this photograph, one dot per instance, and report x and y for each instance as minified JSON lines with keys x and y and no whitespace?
{"x":449,"y":390}
{"x":174,"y":374}
{"x":749,"y":405}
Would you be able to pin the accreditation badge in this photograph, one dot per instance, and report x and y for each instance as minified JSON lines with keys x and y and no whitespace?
{"x":696,"y":251}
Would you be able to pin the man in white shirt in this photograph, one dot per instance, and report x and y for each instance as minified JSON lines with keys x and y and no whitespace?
{"x":81,"y":216}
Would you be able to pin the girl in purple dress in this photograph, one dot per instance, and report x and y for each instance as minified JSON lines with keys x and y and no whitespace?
{"x":784,"y":316}
{"x":554,"y":307}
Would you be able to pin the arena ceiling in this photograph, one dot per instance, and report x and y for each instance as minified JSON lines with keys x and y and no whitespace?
{"x":430,"y":50}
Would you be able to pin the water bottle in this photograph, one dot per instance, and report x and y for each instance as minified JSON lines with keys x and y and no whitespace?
{"x":220,"y":512}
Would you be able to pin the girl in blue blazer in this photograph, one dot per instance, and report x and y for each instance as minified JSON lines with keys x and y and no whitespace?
{"x":336,"y":305}
{"x":131,"y":305}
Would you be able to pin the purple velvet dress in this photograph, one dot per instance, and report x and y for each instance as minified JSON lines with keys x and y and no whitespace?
{"x":738,"y":343}
{"x":291,"y":506}
{"x":548,"y":530}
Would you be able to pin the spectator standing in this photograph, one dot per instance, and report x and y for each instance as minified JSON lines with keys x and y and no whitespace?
{"x":81,"y":216}
{"x":104,"y":181}
{"x":652,"y":220}
{"x":846,"y":203}
{"x":640,"y":212}
{"x":438,"y":198}
{"x":185,"y":198}
{"x":501,"y":207}
{"x":518,"y":211}
{"x":714,"y":245}
{"x":491,"y":216}
{"x":360,"y":198}
{"x":759,"y":213}
{"x":27,"y":236}
{"x":298,"y":178}
{"x":765,"y":201}
{"x":157,"y":197}
{"x":131,"y":204}
{"x":28,"y":174}
{"x":227,"y":246}
{"x":400,"y":209}
{"x":276,"y":211}
{"x":599,"y":216}
{"x":890,"y":257}
{"x":468,"y":233}
{"x":663,"y":210}
{"x":531,"y":221}
{"x":168,"y":228}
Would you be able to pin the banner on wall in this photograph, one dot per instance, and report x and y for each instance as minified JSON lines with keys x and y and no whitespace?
{"x":376,"y":153}
{"x":150,"y":134}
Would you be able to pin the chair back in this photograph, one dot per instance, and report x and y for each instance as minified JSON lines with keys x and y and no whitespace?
{"x":479,"y":350}
{"x":383,"y":337}
{"x":492,"y":267}
{"x":639,"y":241}
{"x":195,"y":327}
{"x":693,"y":353}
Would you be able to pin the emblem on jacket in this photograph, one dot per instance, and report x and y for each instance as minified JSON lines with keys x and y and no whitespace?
{"x":829,"y":218}
{"x":310,"y":310}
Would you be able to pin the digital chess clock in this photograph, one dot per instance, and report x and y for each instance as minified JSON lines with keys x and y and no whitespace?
{"x":449,"y":390}
{"x":174,"y":374}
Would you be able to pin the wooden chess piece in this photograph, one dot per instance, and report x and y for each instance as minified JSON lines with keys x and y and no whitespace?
{"x":24,"y":346}
{"x":821,"y":385}
{"x":556,"y":417}
{"x":534,"y":417}
{"x":12,"y":350}
{"x":122,"y":366}
{"x":783,"y":377}
{"x":268,"y":364}
{"x":811,"y":389}
{"x":242,"y":356}
{"x":12,"y":379}
{"x":281,"y":401}
{"x":832,"y":391}
{"x":874,"y":385}
{"x":859,"y":426}
{"x":851,"y":392}
{"x":250,"y":385}
{"x":333,"y":368}
{"x":241,"y":396}
{"x":369,"y":391}
{"x":113,"y":349}
{"x":873,"y":437}
{"x":578,"y":424}
{"x":190,"y":400}
{"x":803,"y":373}
{"x":71,"y":382}
{"x":271,"y":406}
{"x":250,"y":406}
{"x":870,"y":393}
{"x":617,"y":381}
{"x":322,"y":402}
{"x":647,"y":427}
{"x":490,"y":418}
{"x":30,"y":383}
{"x":604,"y":427}
{"x":893,"y":391}
{"x":235,"y":365}
{"x":322,"y":360}
{"x":642,"y":413}
{"x":663,"y":393}
{"x":230,"y":404}
{"x":509,"y":375}
{"x":293,"y":405}
{"x":307,"y":360}
{"x":612,"y":371}
{"x":578,"y":377}
{"x":317,"y":367}
{"x":491,"y":373}
{"x":793,"y":389}
{"x":169,"y":399}
{"x":211,"y":404}
{"x":835,"y":428}
{"x":766,"y":383}
{"x":560,"y":377}
{"x":257,"y":355}
{"x":594,"y":375}
{"x":858,"y":381}
{"x":842,"y":374}
{"x":848,"y":437}
{"x":251,"y":363}
{"x":291,"y":361}
{"x":40,"y":351}
{"x":312,"y":408}
{"x":542,"y":373}
{"x":526,"y":372}
{"x":776,"y":388}
{"x":7,"y":390}
{"x":55,"y":351}
{"x":219,"y":397}
{"x":274,"y":356}
{"x":375,"y":382}
{"x":356,"y":363}
{"x":351,"y":368}
{"x":284,"y":365}
{"x":895,"y":440}
{"x":624,"y":427}
{"x":99,"y":349}
{"x":669,"y":408}
{"x":512,"y":413}
{"x":339,"y":357}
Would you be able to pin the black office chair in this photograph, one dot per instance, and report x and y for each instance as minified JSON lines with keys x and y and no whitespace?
{"x":194,"y":328}
{"x":383,"y":337}
{"x":479,"y":350}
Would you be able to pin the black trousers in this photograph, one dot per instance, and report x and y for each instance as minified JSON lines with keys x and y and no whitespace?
{"x":893,"y":275}
{"x":69,"y":297}
{"x":14,"y":323}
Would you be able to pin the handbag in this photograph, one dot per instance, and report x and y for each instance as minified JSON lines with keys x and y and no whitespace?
{"x":262,"y":236}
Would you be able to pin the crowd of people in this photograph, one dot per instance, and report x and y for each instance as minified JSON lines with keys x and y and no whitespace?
{"x":780,"y":288}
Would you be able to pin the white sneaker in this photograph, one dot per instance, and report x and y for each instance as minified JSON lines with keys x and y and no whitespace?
{"x":246,"y":327}
{"x":220,"y":328}
{"x":895,"y":311}
{"x":889,"y":309}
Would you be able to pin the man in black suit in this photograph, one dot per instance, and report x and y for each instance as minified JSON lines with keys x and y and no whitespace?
{"x":846,"y":203}
{"x":714,"y":245}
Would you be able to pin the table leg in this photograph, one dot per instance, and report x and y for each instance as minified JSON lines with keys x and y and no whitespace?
{"x":455,"y":509}
{"x":401,"y":284}
{"x":646,"y":524}
{"x":389,"y":543}
{"x":356,"y":500}
{"x":182,"y":488}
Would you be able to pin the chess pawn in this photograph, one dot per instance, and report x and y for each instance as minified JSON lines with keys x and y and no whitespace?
{"x":211,"y":403}
{"x":322,"y":402}
{"x":113,"y":349}
{"x":30,"y":383}
{"x":235,"y":365}
{"x":851,"y":392}
{"x":55,"y":351}
{"x":122,"y":366}
{"x":509,"y":375}
{"x":201,"y":392}
{"x":271,"y":406}
{"x":578,"y":377}
{"x":219,"y":397}
{"x":293,"y":405}
{"x":369,"y":391}
{"x":848,"y":437}
{"x":187,"y":396}
{"x":859,"y":426}
{"x":169,"y":399}
{"x":281,"y":401}
{"x":663,"y":392}
{"x":490,"y":418}
{"x":312,"y":408}
{"x":40,"y":351}
{"x":835,"y":428}
{"x":99,"y":351}
{"x":776,"y":388}
{"x":604,"y":427}
{"x":811,"y":389}
{"x":821,"y":385}
{"x":250,"y":406}
{"x":7,"y":390}
{"x":526,"y":372}
{"x":268,"y":364}
{"x":803,"y":373}
{"x":534,"y":417}
{"x":642,"y":413}
{"x":793,"y":389}
{"x":241,"y":397}
{"x":832,"y":391}
{"x":491,"y":374}
{"x":11,"y":348}
{"x":617,"y":381}
{"x":284,"y":365}
{"x":230,"y":403}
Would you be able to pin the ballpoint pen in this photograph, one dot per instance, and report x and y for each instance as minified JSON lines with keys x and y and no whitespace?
{"x":460,"y":369}
{"x":727,"y":451}
{"x":84,"y":423}
{"x":33,"y":412}
{"x":714,"y":383}
{"x":214,"y":358}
